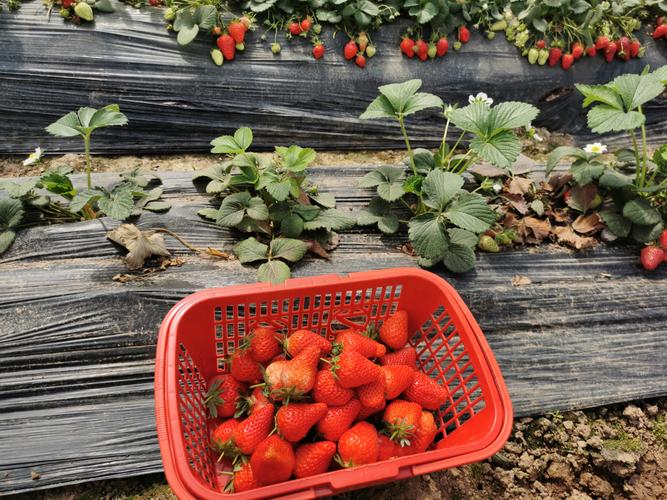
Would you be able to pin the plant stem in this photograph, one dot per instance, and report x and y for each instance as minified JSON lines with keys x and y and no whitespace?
{"x":86,"y":143}
{"x":644,"y":151}
{"x":183,"y":242}
{"x":451,"y":151}
{"x":444,"y":141}
{"x":635,"y":146}
{"x":401,"y":122}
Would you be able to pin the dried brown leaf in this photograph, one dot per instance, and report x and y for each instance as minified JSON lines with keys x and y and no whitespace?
{"x":140,"y":244}
{"x":523,"y":165}
{"x":581,"y":197}
{"x":519,"y":185}
{"x":567,"y":236}
{"x":533,"y":230}
{"x":214,"y":252}
{"x":558,"y":180}
{"x":488,"y":170}
{"x":521,"y":281}
{"x":558,"y":215}
{"x":518,"y":202}
{"x":588,"y":224}
{"x":317,"y":249}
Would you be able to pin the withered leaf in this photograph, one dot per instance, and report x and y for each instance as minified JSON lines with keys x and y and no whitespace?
{"x":533,"y":230}
{"x":523,"y":165}
{"x":557,"y":181}
{"x":557,"y":215}
{"x":567,"y":236}
{"x":587,"y":224}
{"x":316,"y":248}
{"x":581,"y":197}
{"x":518,"y":202}
{"x":521,"y":281}
{"x":519,"y":185}
{"x":509,"y":221}
{"x":487,"y":170}
{"x":140,"y":244}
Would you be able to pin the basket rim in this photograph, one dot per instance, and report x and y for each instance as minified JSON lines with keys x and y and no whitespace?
{"x":186,"y":484}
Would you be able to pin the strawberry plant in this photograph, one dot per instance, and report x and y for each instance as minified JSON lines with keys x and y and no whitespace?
{"x":632,"y":185}
{"x":445,"y":219}
{"x":271,"y":198}
{"x":11,"y":215}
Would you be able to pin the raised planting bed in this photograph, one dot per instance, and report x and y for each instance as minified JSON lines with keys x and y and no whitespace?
{"x":177,"y":99}
{"x":76,"y":376}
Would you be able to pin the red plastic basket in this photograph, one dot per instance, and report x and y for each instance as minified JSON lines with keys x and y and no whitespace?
{"x":203,"y":328}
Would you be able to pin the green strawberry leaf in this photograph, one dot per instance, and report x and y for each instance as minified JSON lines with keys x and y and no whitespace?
{"x":11,"y":213}
{"x":250,"y":250}
{"x":459,"y":258}
{"x":641,"y":212}
{"x":289,"y":249}
{"x":470,"y":211}
{"x":428,"y":235}
{"x":387,"y":180}
{"x":440,"y":187}
{"x":7,"y":237}
{"x":274,"y":271}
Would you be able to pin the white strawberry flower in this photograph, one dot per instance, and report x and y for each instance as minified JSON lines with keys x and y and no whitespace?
{"x":597,"y":148}
{"x":537,"y":137}
{"x":480,"y":97}
{"x":33,"y":157}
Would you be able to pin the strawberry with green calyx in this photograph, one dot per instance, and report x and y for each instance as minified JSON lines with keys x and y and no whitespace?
{"x":387,"y":448}
{"x":463,"y":34}
{"x":327,"y":389}
{"x":293,"y":379}
{"x":591,"y":51}
{"x":457,"y":45}
{"x":353,"y":340}
{"x":540,"y":44}
{"x":237,"y":30}
{"x":623,"y":45}
{"x":421,"y":49}
{"x":318,"y":50}
{"x":227,"y":46}
{"x":567,"y":61}
{"x":300,"y":339}
{"x":296,"y":419}
{"x":401,"y":419}
{"x":406,"y":356}
{"x":367,"y":411}
{"x":253,"y":430}
{"x":306,"y":24}
{"x":635,"y":49}
{"x":660,"y":31}
{"x":221,"y":436}
{"x":394,"y":330}
{"x":362,"y":41}
{"x":264,"y":344}
{"x":662,"y":241}
{"x":610,"y":51}
{"x":275,"y":48}
{"x":372,"y":394}
{"x":602,"y":42}
{"x":441,"y":46}
{"x":426,"y":392}
{"x":651,"y":257}
{"x":244,"y":368}
{"x":216,"y":31}
{"x":358,"y":446}
{"x":244,"y":479}
{"x":350,"y":50}
{"x":360,"y":61}
{"x":354,"y":370}
{"x":423,"y":436}
{"x":248,"y":405}
{"x":408,"y":47}
{"x":169,"y":14}
{"x":338,"y":419}
{"x":555,"y":54}
{"x":272,"y":461}
{"x":432,"y":51}
{"x":397,"y":378}
{"x":223,"y":393}
{"x":533,"y":54}
{"x":543,"y":57}
{"x":311,"y":459}
{"x":294,"y":28}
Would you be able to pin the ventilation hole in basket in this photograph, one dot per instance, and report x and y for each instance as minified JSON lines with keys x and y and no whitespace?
{"x":325,"y":317}
{"x":231,"y":345}
{"x":305,"y":320}
{"x":368,"y":295}
{"x":229,"y":312}
{"x":316,"y":318}
{"x":221,"y":364}
{"x":219,"y":349}
{"x":327,"y":300}
{"x":230,"y":330}
{"x":397,"y":291}
{"x":263,"y":308}
{"x":218,"y":332}
{"x":306,"y":303}
{"x":338,"y":298}
{"x":317,"y":301}
{"x":240,"y":330}
{"x":384,"y":309}
{"x":286,"y":303}
{"x":374,"y":310}
{"x":240,"y":311}
{"x":252,"y":309}
{"x":274,"y":307}
{"x":217,"y":313}
{"x":387,"y":293}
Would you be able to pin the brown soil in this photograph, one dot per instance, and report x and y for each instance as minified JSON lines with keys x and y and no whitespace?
{"x":617,"y":452}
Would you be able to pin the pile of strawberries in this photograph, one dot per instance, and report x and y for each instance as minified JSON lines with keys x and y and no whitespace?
{"x":660,"y":28}
{"x":360,"y":49}
{"x":652,"y":256}
{"x":301,"y":405}
{"x":624,"y":48}
{"x":438,"y":46}
{"x":230,"y":40}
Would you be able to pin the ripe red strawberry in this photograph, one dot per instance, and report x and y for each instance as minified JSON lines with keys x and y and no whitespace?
{"x":372,"y":394}
{"x":294,"y":378}
{"x":359,"y":445}
{"x":227,"y":46}
{"x":318,"y":51}
{"x":253,"y":430}
{"x":660,"y":31}
{"x":423,"y":436}
{"x":401,"y":418}
{"x":221,"y":435}
{"x":244,"y":479}
{"x":294,"y":28}
{"x":394,"y":331}
{"x":367,"y":411}
{"x":338,"y":419}
{"x":313,"y":458}
{"x":662,"y":240}
{"x":237,"y":31}
{"x":273,"y":461}
{"x":555,"y":54}
{"x":353,"y":370}
{"x":464,"y":34}
{"x":360,"y":61}
{"x":350,"y":50}
{"x":577,"y":50}
{"x":243,"y":368}
{"x":386,"y":448}
{"x":264,"y":344}
{"x":624,"y":44}
{"x":295,"y":419}
{"x":352,"y":340}
{"x":540,"y":44}
{"x":327,"y":390}
{"x":300,"y":339}
{"x":635,"y":47}
{"x":610,"y":52}
{"x":591,"y":51}
{"x":250,"y":404}
{"x":421,"y":49}
{"x":397,"y":379}
{"x":651,"y":257}
{"x":222,"y":395}
{"x":408,"y":47}
{"x":601,"y":42}
{"x":567,"y":61}
{"x":442,"y":46}
{"x":306,"y":24}
{"x":68,"y":3}
{"x":426,"y":391}
{"x":406,"y":356}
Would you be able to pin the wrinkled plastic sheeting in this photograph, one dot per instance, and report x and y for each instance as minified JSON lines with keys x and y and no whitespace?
{"x":178,"y":100}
